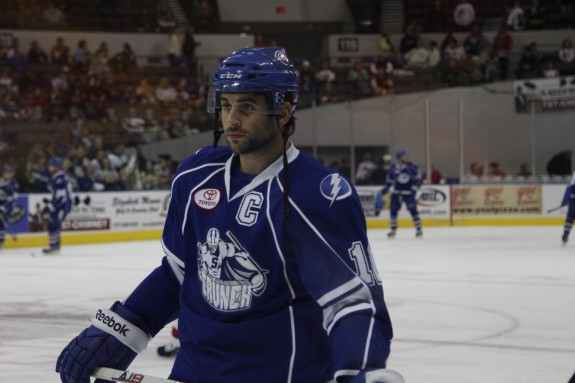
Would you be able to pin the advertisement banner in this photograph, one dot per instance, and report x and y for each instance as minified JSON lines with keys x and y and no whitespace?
{"x":551,"y":94}
{"x":500,"y":200}
{"x":433,"y":201}
{"x":106,"y":211}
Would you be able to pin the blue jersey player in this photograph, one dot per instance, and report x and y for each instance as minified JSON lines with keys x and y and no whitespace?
{"x":404,"y":179}
{"x":8,"y":194}
{"x":569,"y":200}
{"x":59,"y":206}
{"x":267,"y":263}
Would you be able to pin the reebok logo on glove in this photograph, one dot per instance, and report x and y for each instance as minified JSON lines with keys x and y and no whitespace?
{"x":127,"y":333}
{"x":109,"y":321}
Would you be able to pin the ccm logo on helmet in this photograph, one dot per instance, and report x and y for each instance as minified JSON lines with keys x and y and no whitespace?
{"x":109,"y":321}
{"x":230,"y":75}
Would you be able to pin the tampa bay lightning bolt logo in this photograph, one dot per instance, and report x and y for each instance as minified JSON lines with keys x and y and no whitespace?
{"x":334,"y":187}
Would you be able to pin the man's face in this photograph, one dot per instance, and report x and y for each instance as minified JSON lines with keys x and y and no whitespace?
{"x":248,"y":126}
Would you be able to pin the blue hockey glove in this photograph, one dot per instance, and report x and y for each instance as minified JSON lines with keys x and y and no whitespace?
{"x":114,"y":339}
{"x":378,"y":376}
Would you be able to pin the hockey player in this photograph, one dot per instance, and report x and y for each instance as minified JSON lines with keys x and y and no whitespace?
{"x":405,"y":179}
{"x":58,"y":207}
{"x":569,"y":199}
{"x":267,"y":265}
{"x":8,"y":194}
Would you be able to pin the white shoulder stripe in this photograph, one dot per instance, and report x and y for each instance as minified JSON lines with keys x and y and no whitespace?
{"x":195,"y":169}
{"x":341,"y":290}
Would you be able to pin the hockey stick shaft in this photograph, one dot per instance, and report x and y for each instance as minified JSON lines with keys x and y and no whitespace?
{"x":555,"y":209}
{"x":113,"y":375}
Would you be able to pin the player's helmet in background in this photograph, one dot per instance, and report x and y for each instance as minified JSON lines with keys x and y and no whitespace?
{"x":400,"y":154}
{"x":257,"y":70}
{"x":56,"y":162}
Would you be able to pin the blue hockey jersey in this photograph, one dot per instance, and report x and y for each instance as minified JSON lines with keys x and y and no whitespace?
{"x":8,"y":195}
{"x":403,"y":178}
{"x":263,"y":300}
{"x":61,"y":190}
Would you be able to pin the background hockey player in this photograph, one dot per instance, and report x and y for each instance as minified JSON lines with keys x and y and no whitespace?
{"x":8,"y":195}
{"x":404,"y":179}
{"x":59,"y":206}
{"x":301,"y":302}
{"x":569,"y":199}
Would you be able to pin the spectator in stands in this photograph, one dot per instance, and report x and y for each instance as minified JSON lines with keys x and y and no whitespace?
{"x":417,"y":57}
{"x":476,"y":41}
{"x":17,"y":60}
{"x":464,"y":13}
{"x":359,"y":79}
{"x":566,"y":56}
{"x":189,"y":48}
{"x":95,"y":103}
{"x":60,"y":53}
{"x":145,"y":93}
{"x":502,"y":46}
{"x":524,"y":170}
{"x":325,"y":74}
{"x":103,"y":49}
{"x":437,"y":21}
{"x":165,"y":92}
{"x":434,"y":57}
{"x":99,"y":68}
{"x":175,"y":47}
{"x":476,"y":169}
{"x":530,"y":62}
{"x":386,"y":47}
{"x":456,"y":51}
{"x":36,"y":54}
{"x":448,"y":41}
{"x":436,"y":176}
{"x":495,"y":169}
{"x":125,"y":61}
{"x":382,"y":61}
{"x":410,"y":38}
{"x":81,"y":57}
{"x":550,"y":69}
{"x":381,"y":83}
{"x":327,"y":94}
{"x":516,"y":17}
{"x":107,"y":176}
{"x":364,"y":170}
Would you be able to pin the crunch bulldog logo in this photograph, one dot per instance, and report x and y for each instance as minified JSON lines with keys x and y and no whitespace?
{"x":229,"y":275}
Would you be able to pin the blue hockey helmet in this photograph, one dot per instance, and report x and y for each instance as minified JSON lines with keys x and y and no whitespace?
{"x":7,"y":169}
{"x":56,"y":162}
{"x":400,"y":154}
{"x":256,"y":70}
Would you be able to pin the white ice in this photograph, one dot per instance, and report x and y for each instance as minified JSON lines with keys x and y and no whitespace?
{"x":468,"y":304}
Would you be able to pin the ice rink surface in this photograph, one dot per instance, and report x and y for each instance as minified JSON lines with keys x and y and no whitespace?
{"x":469,"y":304}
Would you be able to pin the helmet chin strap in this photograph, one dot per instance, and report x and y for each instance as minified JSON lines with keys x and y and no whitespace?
{"x":218,"y":131}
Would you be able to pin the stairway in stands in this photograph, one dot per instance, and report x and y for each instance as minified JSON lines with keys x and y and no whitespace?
{"x":392,"y":16}
{"x":175,"y":10}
